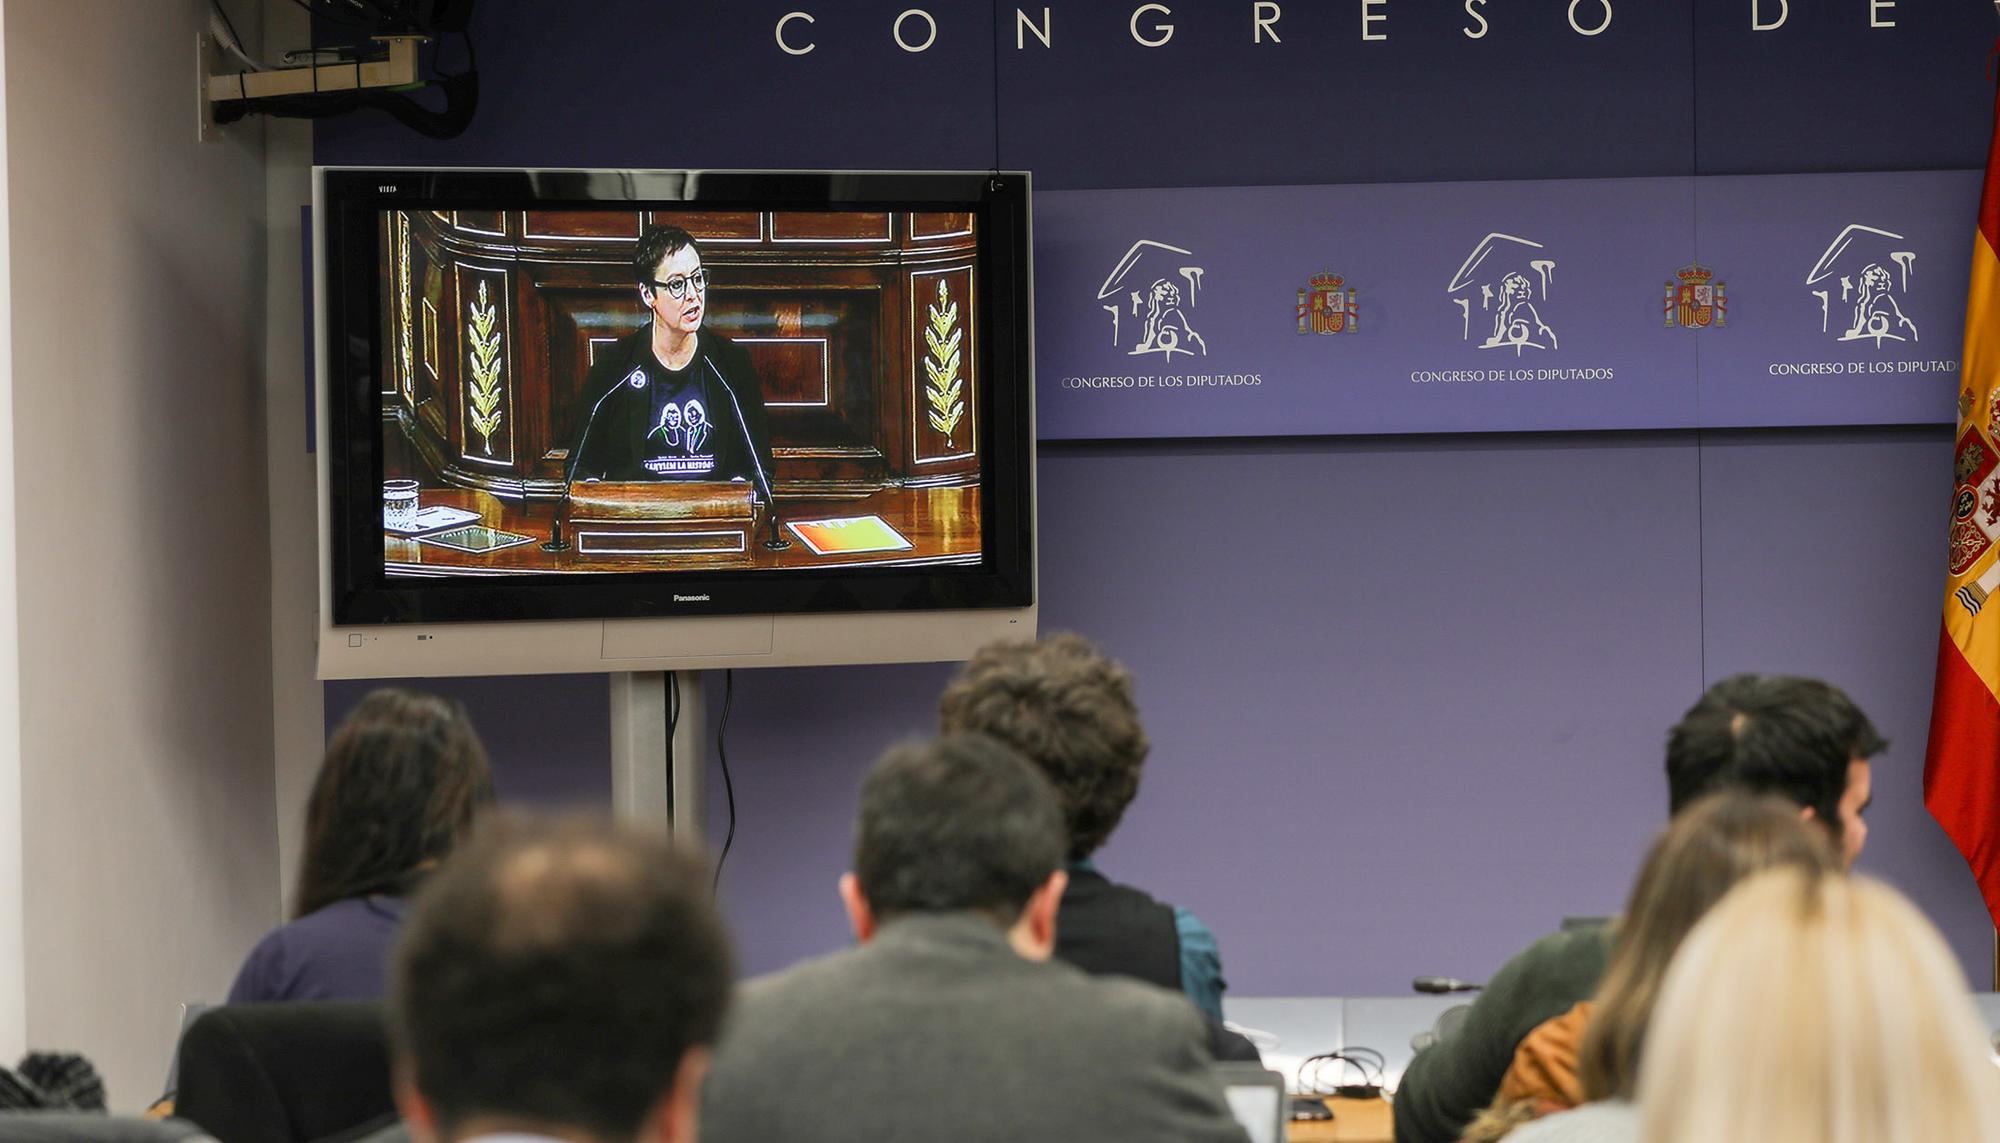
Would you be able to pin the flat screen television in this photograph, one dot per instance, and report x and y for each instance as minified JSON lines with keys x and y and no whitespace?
{"x":609,"y":420}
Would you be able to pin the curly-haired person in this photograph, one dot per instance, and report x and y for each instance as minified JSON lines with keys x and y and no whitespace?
{"x":1072,"y":711}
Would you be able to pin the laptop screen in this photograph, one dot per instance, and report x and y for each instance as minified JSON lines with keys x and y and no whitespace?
{"x":1256,"y":1098}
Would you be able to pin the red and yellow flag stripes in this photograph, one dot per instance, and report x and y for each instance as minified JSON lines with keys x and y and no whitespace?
{"x":1962,"y":764}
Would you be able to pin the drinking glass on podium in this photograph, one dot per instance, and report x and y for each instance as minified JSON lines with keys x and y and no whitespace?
{"x":399,"y":505}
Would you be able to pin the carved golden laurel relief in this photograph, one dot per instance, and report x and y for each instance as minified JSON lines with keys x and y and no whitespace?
{"x":483,"y":396}
{"x":942,"y":337}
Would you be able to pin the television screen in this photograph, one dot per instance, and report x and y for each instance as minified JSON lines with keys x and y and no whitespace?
{"x":574,"y":394}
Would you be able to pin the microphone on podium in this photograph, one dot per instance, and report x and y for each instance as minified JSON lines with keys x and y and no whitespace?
{"x":777,"y":541}
{"x":556,"y":542}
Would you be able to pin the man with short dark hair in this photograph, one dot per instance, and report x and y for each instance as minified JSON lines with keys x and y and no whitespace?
{"x":672,"y":401}
{"x":1779,"y":734}
{"x":950,"y":1021}
{"x":558,"y":982}
{"x":1800,"y":738}
{"x":1072,"y":711}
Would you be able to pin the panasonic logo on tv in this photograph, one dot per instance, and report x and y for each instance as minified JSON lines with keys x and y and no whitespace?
{"x":678,"y":598}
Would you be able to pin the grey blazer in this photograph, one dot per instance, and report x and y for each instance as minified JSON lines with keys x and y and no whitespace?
{"x":937,"y":1029}
{"x":90,"y":1127}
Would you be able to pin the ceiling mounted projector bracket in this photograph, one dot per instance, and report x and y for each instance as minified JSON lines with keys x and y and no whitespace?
{"x":379,"y":64}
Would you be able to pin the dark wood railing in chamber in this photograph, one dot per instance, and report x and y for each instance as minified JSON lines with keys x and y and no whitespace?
{"x":861,"y":327}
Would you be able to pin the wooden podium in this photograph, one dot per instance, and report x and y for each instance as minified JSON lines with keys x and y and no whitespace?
{"x":661,"y":518}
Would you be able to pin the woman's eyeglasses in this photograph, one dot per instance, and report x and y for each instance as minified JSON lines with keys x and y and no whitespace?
{"x":677,"y":286}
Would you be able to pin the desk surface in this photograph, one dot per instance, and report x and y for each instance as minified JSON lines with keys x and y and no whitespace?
{"x":1289,"y":1029}
{"x":1286,"y":1030}
{"x":1354,"y":1121}
{"x":941,"y":525}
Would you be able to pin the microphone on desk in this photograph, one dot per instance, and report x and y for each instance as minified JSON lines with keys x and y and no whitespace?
{"x":556,"y":542}
{"x":776,"y":542}
{"x":1438,"y":985}
{"x":563,"y":508}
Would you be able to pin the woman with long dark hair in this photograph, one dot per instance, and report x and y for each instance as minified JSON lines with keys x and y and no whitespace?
{"x":404,"y":776}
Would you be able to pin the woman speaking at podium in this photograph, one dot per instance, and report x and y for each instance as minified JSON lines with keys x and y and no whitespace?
{"x":672,"y":401}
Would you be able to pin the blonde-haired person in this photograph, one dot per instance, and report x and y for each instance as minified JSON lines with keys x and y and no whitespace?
{"x":1808,"y":1007}
{"x":1591,"y":1053}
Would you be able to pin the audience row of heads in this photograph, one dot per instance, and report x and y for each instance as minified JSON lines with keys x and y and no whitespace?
{"x":1812,"y":1005}
{"x":1756,"y":991}
{"x":562,"y":973}
{"x":570,"y":974}
{"x":555,"y":973}
{"x":406,"y":773}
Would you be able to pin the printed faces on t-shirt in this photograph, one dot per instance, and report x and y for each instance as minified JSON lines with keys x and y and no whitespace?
{"x":680,"y":438}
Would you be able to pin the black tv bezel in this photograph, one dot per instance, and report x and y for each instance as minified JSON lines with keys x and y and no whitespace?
{"x":349,"y":288}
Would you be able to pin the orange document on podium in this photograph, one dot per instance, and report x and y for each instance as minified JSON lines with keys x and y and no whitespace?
{"x":848,"y":535}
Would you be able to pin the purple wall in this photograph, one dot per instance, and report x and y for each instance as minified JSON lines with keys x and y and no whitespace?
{"x":1823,"y":553}
{"x":1407,"y":697}
{"x":1410,"y":726}
{"x":549,"y":735}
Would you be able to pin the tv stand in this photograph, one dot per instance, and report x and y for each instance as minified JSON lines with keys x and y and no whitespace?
{"x":656,"y":781}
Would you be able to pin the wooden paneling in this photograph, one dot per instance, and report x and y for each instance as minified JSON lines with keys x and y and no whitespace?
{"x":389,"y":238}
{"x":818,"y":348}
{"x":571,"y":225}
{"x":427,"y":336}
{"x":935,"y":226}
{"x":481,"y":222}
{"x":576,"y":317}
{"x":829,"y":322}
{"x":428,"y":264}
{"x":831,"y":226}
{"x":721,"y":226}
{"x":795,"y":370}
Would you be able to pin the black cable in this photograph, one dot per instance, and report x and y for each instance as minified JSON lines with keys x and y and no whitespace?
{"x":728,"y":786}
{"x":1367,"y":1061}
{"x":1371,"y":1063}
{"x":996,"y":87}
{"x":673,"y":726}
{"x":471,"y":55}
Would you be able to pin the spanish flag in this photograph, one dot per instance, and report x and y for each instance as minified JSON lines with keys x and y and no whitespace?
{"x":1962,"y":763}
